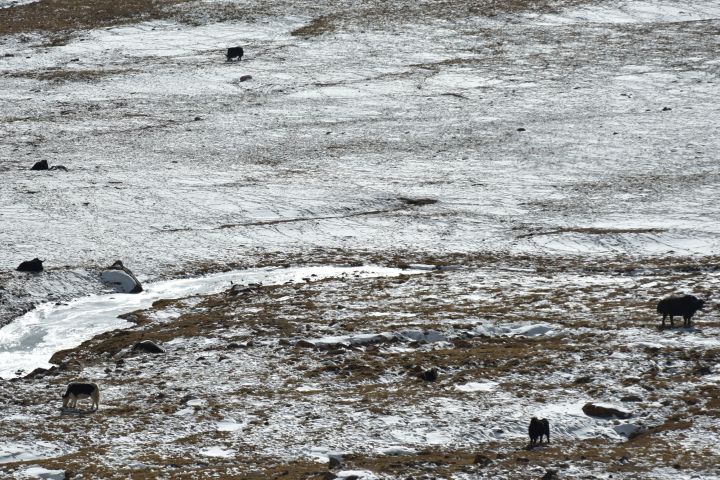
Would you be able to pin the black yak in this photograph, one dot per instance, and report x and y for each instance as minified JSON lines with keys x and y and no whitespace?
{"x":537,"y":429}
{"x":234,"y":52}
{"x":684,"y":306}
{"x":41,"y":165}
{"x":33,"y":266}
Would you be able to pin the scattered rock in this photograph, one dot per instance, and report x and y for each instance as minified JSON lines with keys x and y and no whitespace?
{"x":59,"y":167}
{"x":666,"y":109}
{"x":335,"y":461}
{"x":549,"y":475}
{"x":32,"y":266}
{"x":41,"y":165}
{"x":521,"y":129}
{"x":122,"y":278}
{"x":37,"y":373}
{"x":304,"y":344}
{"x":147,"y":346}
{"x":430,"y":375}
{"x":197,"y":119}
{"x":245,"y":78}
{"x":631,"y":398}
{"x":583,"y":379}
{"x":238,"y":289}
{"x":329,"y":476}
{"x":482,"y":460}
{"x":604,"y":411}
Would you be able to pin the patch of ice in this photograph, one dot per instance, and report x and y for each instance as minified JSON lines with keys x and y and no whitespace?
{"x":29,"y":341}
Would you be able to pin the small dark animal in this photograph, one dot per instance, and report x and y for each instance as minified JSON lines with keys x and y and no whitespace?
{"x":537,"y":429}
{"x":33,"y":266}
{"x":80,"y":391}
{"x":234,"y":52}
{"x":41,"y":165}
{"x":430,"y":375}
{"x":684,"y":306}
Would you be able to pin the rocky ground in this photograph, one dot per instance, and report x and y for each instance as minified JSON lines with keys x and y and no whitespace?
{"x":273,"y":382}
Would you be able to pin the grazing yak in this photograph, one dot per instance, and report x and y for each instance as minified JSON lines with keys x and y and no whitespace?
{"x":537,"y":429}
{"x":234,"y":52}
{"x":79,"y":391}
{"x":684,"y":306}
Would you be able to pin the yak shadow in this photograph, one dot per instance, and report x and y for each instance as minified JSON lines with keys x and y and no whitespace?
{"x":78,"y":412}
{"x":538,"y":446}
{"x":683,"y":329}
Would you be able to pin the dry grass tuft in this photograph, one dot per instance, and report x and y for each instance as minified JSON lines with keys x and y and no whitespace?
{"x":317,"y":27}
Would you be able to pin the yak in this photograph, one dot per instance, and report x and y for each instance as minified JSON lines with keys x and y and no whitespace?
{"x":537,"y":429}
{"x":79,"y":391}
{"x":234,"y":52}
{"x":32,"y":266}
{"x":684,"y":306}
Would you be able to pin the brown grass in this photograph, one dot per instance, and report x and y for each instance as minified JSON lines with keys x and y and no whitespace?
{"x":61,"y":75}
{"x":55,"y":16}
{"x":317,"y":27}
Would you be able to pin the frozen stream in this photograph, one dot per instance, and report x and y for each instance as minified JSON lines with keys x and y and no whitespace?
{"x":30,"y":340}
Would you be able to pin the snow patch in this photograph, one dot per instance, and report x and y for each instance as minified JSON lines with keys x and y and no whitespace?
{"x":218,"y":452}
{"x":23,"y":452}
{"x":36,"y":471}
{"x":477,"y":387}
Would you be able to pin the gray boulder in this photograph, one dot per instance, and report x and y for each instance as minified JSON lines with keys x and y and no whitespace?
{"x":121,"y":278}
